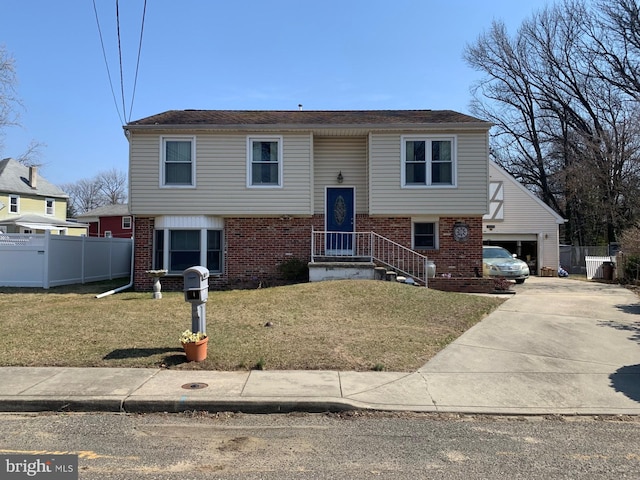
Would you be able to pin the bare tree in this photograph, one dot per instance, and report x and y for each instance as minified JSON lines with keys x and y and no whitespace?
{"x":8,"y":97}
{"x":617,"y":43}
{"x":10,"y":104}
{"x":113,"y":186}
{"x":84,"y":195}
{"x":106,"y":188}
{"x":31,"y":156}
{"x":562,"y":128}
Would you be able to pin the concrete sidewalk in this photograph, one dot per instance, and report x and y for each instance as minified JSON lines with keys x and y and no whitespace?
{"x":556,"y":347}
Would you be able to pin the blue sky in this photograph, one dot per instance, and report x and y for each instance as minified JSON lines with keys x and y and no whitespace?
{"x":233,"y":54}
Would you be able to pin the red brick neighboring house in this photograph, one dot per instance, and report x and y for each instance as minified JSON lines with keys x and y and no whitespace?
{"x":109,"y":221}
{"x":240,"y":192}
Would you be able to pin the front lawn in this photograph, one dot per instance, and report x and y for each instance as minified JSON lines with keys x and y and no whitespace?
{"x":341,"y":325}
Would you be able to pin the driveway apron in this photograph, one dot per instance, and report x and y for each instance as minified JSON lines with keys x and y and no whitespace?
{"x":558,"y":345}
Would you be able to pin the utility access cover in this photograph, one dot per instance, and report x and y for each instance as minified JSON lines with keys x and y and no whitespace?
{"x":194,"y":386}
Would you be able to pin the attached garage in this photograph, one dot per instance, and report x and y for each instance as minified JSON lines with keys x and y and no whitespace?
{"x":521,"y":222}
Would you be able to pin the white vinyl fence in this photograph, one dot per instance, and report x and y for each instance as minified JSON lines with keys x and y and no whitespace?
{"x":595,"y":266}
{"x":50,"y":260}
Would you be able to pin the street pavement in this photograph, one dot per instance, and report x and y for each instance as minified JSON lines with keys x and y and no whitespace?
{"x":556,"y":347}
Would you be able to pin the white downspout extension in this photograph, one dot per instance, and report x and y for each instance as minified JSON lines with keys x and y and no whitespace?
{"x":130,"y":284}
{"x":540,"y":262}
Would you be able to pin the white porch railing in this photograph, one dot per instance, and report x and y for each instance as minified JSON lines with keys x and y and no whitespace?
{"x":372,"y":247}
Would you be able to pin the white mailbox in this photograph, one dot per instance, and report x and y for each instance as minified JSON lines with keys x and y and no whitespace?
{"x":196,"y":284}
{"x":196,"y":292}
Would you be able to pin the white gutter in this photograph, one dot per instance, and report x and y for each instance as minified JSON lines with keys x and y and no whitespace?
{"x":130,"y":284}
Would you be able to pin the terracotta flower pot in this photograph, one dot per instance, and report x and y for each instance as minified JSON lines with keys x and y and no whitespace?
{"x":196,"y":351}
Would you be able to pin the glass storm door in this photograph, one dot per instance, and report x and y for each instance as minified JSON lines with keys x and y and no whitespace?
{"x":340,"y":222}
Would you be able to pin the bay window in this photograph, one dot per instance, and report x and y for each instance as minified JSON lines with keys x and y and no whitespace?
{"x":176,"y":250}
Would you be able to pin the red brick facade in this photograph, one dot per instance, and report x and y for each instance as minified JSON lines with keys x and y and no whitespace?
{"x":254,"y":247}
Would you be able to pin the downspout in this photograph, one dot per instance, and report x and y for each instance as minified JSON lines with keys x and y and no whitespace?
{"x":130,"y":284}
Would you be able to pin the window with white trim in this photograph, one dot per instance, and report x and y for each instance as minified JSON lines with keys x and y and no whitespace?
{"x":176,"y":249}
{"x":428,"y":161}
{"x":425,"y":235}
{"x":126,"y":223}
{"x":49,"y":208}
{"x":178,"y":160}
{"x":14,"y":204}
{"x":264,"y":161}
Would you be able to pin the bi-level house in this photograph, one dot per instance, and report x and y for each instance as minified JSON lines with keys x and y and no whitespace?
{"x":31,"y":204}
{"x":241,"y":192}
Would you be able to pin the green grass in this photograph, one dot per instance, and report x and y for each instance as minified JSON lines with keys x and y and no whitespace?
{"x":344,"y":325}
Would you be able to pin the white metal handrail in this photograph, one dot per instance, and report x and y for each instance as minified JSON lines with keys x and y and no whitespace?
{"x":370,"y":246}
{"x":399,"y":258}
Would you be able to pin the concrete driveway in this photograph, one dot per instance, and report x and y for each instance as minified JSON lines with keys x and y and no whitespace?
{"x":558,"y":345}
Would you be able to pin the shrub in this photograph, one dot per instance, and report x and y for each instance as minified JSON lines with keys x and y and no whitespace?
{"x":294,"y":269}
{"x":632,"y":268}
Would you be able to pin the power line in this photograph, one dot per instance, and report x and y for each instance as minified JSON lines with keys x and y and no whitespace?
{"x":124,"y":110}
{"x":135,"y":80}
{"x":104,"y":55}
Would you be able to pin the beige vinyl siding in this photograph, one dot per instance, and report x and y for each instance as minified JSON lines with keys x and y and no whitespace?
{"x":525,"y":218}
{"x":468,"y":197}
{"x":221,"y":179}
{"x":523,"y":213}
{"x":333,"y":155}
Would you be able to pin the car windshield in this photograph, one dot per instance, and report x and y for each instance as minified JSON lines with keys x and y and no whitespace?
{"x":495,"y":253}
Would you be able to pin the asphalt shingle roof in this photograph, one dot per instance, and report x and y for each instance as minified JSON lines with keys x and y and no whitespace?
{"x":353,"y":118}
{"x":14,"y":178}
{"x":107,"y":211}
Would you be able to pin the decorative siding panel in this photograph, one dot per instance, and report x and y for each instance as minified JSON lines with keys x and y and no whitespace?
{"x":469,"y":197}
{"x":333,"y":155}
{"x":522,"y":212}
{"x":221,"y":179}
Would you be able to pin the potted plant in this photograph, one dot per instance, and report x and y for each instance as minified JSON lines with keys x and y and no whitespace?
{"x":194,"y":345}
{"x":502,"y":285}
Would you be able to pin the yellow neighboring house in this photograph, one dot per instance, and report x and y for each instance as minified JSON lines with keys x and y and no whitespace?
{"x":30,"y":204}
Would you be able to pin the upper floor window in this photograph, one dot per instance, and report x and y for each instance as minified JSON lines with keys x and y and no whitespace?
{"x":126,"y":223}
{"x":264,"y":162}
{"x":49,"y":208}
{"x":428,"y":161}
{"x":178,"y":161}
{"x":14,"y":204}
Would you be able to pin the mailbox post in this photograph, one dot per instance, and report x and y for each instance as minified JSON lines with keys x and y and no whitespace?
{"x":196,"y":292}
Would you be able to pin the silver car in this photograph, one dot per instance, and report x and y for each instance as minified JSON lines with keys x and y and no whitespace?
{"x":498,"y":262}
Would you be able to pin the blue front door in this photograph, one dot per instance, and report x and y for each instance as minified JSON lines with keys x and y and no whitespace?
{"x":340,"y":220}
